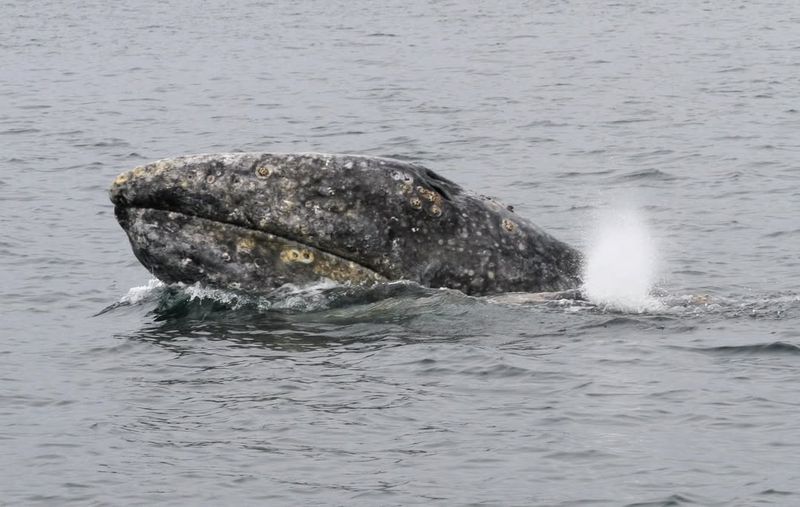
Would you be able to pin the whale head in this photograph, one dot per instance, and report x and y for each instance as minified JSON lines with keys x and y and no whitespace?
{"x":256,"y":221}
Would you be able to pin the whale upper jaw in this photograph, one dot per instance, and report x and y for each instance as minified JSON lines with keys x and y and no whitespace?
{"x":187,"y":222}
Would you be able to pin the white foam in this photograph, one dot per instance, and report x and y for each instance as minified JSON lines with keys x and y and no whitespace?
{"x":197,"y":291}
{"x":137,"y":294}
{"x":307,"y":297}
{"x":620,"y":267}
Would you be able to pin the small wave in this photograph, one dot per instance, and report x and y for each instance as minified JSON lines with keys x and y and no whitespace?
{"x":16,"y":131}
{"x":583,"y":174}
{"x":545,"y":123}
{"x":36,"y":106}
{"x":647,"y":175}
{"x":669,"y":501}
{"x":626,"y":121}
{"x":614,"y":321}
{"x":756,"y":349}
{"x":778,"y":234}
{"x":776,"y":492}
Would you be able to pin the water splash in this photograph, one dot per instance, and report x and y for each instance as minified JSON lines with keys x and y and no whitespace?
{"x":322,"y":295}
{"x":138,"y":294}
{"x":621,"y":263}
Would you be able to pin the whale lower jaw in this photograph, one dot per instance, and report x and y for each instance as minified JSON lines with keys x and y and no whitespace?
{"x":178,"y":247}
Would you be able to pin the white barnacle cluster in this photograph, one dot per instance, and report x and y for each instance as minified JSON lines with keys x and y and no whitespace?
{"x":401,"y":176}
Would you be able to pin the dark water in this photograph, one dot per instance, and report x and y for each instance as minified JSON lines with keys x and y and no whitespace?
{"x":690,"y":111}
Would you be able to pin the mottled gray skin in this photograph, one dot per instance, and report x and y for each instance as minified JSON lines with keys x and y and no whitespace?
{"x":256,"y":221}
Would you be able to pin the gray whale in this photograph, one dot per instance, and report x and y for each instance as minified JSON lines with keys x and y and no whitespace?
{"x":257,"y":221}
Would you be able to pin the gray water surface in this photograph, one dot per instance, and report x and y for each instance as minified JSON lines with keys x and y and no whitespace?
{"x":399,"y":395}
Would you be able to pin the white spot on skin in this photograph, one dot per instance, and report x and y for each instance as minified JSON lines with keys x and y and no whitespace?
{"x":490,"y":275}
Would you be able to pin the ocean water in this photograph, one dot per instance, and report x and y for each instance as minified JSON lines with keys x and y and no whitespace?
{"x":659,"y":137}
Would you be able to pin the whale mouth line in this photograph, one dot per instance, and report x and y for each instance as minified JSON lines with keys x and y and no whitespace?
{"x":270,"y":236}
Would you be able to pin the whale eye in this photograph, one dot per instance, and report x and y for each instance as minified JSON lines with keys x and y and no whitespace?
{"x":263,"y":171}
